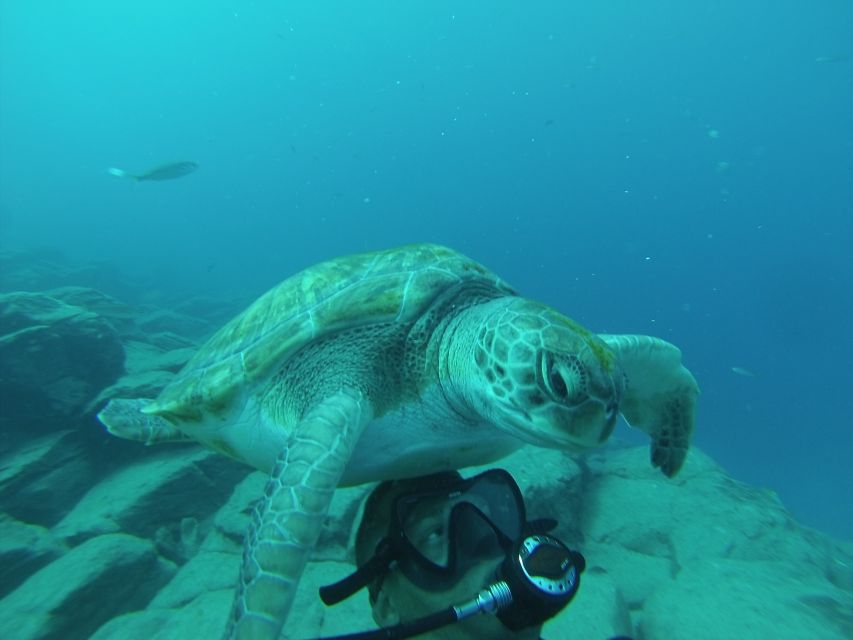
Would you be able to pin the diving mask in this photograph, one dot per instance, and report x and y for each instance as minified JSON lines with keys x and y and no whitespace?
{"x":449,"y":524}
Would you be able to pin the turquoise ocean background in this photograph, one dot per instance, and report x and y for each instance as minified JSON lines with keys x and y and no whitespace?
{"x":681,"y":169}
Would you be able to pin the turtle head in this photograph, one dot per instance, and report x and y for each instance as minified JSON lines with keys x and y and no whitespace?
{"x":545,"y":378}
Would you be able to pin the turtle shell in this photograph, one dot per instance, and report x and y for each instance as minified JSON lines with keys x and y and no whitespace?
{"x":393,"y":285}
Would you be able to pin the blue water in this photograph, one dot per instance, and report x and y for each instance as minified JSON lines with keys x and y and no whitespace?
{"x":665,"y":167}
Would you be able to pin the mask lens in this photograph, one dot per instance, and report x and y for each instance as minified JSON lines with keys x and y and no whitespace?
{"x":497,"y":496}
{"x":425,"y":527}
{"x":446,"y":531}
{"x":475,"y":537}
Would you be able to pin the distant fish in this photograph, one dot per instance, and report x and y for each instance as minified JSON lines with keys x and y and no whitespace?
{"x":163,"y":172}
{"x":743,"y":372}
{"x":831,"y":59}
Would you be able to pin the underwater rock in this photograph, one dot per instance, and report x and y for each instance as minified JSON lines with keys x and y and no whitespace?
{"x":317,"y":620}
{"x":232,"y":520}
{"x":42,"y":480}
{"x":167,"y":341}
{"x":54,"y":359}
{"x":216,"y":311}
{"x":73,"y":596}
{"x":24,"y":549}
{"x":701,"y":556}
{"x":204,"y":617}
{"x":839,"y":564}
{"x":120,"y":315}
{"x":143,"y":357}
{"x":157,"y":320}
{"x":206,"y":572}
{"x":42,"y":269}
{"x":598,"y":609}
{"x":157,"y":491}
{"x":735,"y":598}
{"x":701,"y":514}
{"x":197,"y":600}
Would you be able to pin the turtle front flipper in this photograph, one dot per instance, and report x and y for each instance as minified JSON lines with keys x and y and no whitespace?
{"x":660,"y":396}
{"x":124,"y":418}
{"x":286,"y":522}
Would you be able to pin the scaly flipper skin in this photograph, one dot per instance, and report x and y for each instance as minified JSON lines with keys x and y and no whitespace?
{"x":287,"y":521}
{"x":124,"y":419}
{"x":660,"y":396}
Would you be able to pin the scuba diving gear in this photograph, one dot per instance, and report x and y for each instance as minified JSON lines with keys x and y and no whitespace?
{"x":437,"y":534}
{"x":543,"y":575}
{"x":478,"y":517}
{"x":538,"y":580}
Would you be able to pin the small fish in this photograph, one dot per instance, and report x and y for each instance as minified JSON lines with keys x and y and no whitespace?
{"x":163,"y":172}
{"x":743,"y":372}
{"x":831,"y":59}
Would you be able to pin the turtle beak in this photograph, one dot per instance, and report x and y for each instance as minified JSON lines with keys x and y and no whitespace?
{"x":576,"y":429}
{"x":611,"y":415}
{"x":585,"y":426}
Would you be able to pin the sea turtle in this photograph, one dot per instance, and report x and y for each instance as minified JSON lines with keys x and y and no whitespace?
{"x":394,"y":364}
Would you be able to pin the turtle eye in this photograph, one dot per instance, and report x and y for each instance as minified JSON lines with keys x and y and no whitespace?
{"x":558,"y":385}
{"x":552,"y":379}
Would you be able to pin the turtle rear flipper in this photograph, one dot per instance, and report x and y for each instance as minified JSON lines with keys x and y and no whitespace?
{"x":124,"y":418}
{"x":286,"y":522}
{"x":660,"y":397}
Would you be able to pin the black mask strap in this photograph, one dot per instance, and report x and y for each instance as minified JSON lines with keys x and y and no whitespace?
{"x":361,"y":577}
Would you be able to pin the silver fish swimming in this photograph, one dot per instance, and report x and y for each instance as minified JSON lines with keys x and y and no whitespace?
{"x":163,"y":172}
